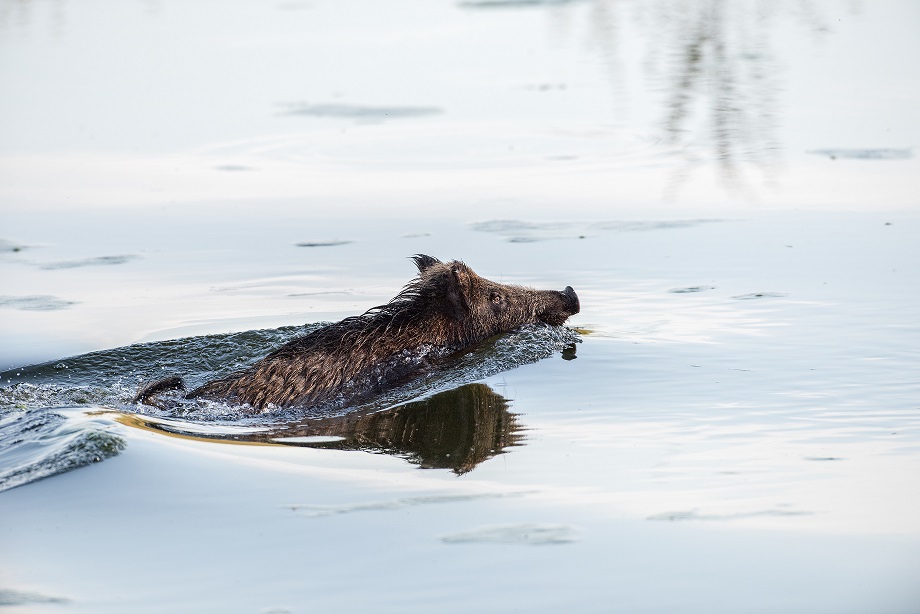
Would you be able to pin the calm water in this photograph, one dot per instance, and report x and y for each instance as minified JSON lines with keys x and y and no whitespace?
{"x":731,"y":424}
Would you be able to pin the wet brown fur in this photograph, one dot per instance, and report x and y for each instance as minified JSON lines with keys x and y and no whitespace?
{"x":446,"y":308}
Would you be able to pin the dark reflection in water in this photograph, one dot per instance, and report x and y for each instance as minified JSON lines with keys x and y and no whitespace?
{"x":711,"y":70}
{"x":732,"y":75}
{"x":714,"y":65}
{"x":712,"y":73}
{"x":456,"y":429}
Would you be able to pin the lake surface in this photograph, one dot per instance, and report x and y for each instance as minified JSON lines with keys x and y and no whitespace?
{"x":731,"y":424}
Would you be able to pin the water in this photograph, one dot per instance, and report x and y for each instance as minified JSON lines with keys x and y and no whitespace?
{"x":731,"y":424}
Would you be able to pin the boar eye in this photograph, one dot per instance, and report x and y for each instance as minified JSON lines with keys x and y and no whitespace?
{"x":496,"y":298}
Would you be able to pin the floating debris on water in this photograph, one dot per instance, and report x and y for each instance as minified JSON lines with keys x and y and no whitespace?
{"x":9,"y":246}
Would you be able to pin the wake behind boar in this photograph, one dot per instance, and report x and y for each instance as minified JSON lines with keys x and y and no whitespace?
{"x":446,"y":309}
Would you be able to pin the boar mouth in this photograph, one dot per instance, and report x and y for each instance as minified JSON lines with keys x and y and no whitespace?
{"x":559,"y":306}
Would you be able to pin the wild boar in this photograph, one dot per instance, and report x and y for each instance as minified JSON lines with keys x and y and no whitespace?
{"x":446,"y":309}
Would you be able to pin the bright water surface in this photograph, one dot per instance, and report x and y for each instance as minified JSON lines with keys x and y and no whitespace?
{"x":731,"y":424}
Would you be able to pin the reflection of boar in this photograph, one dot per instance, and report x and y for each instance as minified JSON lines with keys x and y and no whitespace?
{"x":446,"y":309}
{"x":455,"y":429}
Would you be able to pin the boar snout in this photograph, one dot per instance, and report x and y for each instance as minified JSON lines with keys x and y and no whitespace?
{"x":572,"y":305}
{"x":558,"y":306}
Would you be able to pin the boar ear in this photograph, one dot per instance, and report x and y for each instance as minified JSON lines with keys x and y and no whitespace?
{"x":458,"y":291}
{"x":424,"y":262}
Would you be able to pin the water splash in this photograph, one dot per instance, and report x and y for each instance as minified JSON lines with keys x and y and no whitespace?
{"x":110,"y":378}
{"x":36,"y":443}
{"x":45,"y":428}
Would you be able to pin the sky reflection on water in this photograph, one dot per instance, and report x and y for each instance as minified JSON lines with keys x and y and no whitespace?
{"x":730,"y":187}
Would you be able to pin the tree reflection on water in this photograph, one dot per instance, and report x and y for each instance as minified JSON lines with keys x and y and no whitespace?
{"x":713,"y":76}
